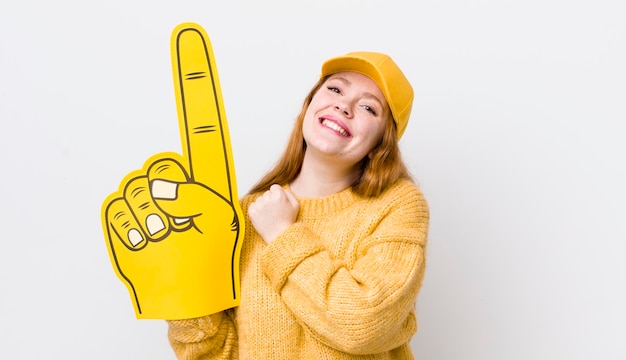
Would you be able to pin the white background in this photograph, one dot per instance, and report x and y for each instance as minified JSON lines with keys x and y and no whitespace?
{"x":516,"y":138}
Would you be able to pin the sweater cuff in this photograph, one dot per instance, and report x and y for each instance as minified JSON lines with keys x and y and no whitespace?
{"x":286,"y":252}
{"x":194,"y":330}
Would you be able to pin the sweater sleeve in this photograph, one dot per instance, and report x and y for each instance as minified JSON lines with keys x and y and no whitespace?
{"x":208,"y":337}
{"x":366,"y":306}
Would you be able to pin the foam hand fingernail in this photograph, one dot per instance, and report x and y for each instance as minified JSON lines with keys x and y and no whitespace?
{"x":179,"y":221}
{"x":162,"y":189}
{"x":134,"y":236}
{"x":154,"y":224}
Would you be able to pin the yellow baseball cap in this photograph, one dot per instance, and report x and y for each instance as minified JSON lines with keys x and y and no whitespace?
{"x":385,"y":73}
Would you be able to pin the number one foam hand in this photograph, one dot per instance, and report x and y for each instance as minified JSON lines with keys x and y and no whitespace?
{"x":174,"y":228}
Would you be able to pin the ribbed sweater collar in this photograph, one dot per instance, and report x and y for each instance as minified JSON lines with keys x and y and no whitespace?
{"x":314,"y":207}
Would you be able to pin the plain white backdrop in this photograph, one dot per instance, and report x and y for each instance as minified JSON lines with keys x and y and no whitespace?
{"x":516,"y":138}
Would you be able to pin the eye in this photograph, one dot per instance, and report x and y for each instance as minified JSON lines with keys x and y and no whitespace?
{"x":334,"y":89}
{"x":370,"y":109}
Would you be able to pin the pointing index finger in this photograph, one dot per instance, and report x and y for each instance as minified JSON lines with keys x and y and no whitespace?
{"x":201,"y":116}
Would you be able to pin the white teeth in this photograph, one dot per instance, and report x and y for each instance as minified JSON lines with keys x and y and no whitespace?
{"x":335,"y":127}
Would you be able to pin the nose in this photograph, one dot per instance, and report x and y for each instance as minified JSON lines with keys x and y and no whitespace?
{"x":344,"y":108}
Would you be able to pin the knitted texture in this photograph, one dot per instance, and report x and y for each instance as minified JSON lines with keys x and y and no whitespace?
{"x":340,"y":283}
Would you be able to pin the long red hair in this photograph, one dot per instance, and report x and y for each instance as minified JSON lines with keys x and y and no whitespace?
{"x":381,"y":169}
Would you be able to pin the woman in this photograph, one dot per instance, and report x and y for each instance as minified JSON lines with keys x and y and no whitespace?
{"x":335,"y":252}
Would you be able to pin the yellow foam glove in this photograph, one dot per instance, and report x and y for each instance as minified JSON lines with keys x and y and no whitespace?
{"x":174,"y":228}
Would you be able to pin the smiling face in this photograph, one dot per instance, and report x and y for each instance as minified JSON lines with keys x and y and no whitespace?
{"x":345,"y":118}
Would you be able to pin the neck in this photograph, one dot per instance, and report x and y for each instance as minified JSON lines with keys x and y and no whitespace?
{"x":321,"y":177}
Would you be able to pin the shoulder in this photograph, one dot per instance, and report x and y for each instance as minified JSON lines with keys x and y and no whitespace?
{"x":405,"y":202}
{"x":403,"y":191}
{"x":400,"y":213}
{"x":402,"y":201}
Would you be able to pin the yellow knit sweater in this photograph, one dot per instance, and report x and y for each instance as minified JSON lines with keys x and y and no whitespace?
{"x":340,"y":283}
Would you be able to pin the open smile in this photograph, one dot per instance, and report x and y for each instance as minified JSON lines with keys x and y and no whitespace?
{"x":335,"y":127}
